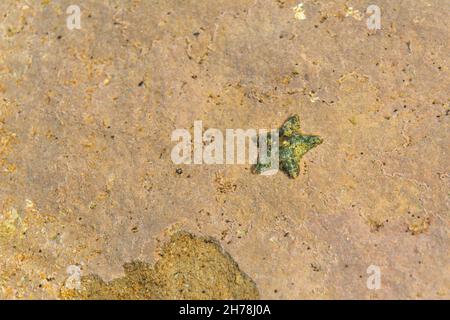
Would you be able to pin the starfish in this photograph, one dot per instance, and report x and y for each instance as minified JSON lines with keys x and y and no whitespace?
{"x":293,"y":146}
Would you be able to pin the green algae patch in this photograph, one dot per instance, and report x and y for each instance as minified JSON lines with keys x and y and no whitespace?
{"x":190,"y":267}
{"x":293,"y":145}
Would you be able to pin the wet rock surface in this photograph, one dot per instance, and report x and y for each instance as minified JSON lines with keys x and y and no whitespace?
{"x":86,"y":178}
{"x":188,"y":268}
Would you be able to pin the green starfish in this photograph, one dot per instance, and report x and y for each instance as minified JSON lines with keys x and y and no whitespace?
{"x":293,"y":145}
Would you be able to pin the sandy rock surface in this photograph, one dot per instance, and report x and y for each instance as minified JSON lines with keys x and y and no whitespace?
{"x":87,"y":183}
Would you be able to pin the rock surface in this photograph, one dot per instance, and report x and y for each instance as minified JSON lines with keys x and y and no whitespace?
{"x":189,"y":268}
{"x":86,"y":116}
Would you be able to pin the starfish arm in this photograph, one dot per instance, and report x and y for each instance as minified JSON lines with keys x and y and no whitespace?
{"x":291,"y":167}
{"x":303,"y":144}
{"x":290,"y":127}
{"x":261,"y":167}
{"x":312,"y":140}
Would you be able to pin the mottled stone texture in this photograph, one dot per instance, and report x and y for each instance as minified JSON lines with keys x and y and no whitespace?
{"x":189,"y":268}
{"x":86,"y":116}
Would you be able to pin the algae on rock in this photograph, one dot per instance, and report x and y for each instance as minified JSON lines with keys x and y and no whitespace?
{"x":190,"y":267}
